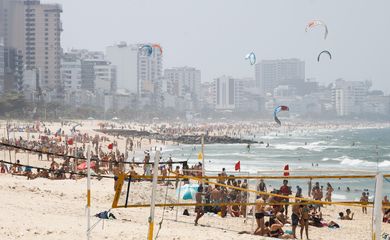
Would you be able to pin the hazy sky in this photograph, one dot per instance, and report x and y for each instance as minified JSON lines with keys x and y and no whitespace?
{"x":215,"y":35}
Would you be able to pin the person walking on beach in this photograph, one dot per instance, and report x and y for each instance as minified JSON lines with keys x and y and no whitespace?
{"x":329,"y":190}
{"x":199,"y":209}
{"x":364,"y":200}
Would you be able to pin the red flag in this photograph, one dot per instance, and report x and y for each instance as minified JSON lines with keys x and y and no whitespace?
{"x":237,"y":167}
{"x":110,"y":146}
{"x":286,"y":171}
{"x":70,"y":141}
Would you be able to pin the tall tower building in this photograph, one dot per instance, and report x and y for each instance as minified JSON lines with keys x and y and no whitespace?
{"x":224,"y":93}
{"x":271,"y":73}
{"x":34,"y":30}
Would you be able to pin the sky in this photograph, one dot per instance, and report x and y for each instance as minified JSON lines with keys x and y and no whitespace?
{"x":215,"y":35}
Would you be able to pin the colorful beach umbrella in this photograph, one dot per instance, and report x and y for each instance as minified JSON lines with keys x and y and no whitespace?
{"x":83,"y":165}
{"x":188,"y":191}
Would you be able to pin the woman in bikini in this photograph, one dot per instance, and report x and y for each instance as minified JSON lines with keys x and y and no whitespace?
{"x":304,"y":221}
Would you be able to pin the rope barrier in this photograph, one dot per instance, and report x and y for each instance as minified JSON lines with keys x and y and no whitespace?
{"x":353,"y":204}
{"x":81,"y":158}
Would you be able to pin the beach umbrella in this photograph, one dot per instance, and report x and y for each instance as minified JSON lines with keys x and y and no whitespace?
{"x":83,"y":165}
{"x":187,"y":191}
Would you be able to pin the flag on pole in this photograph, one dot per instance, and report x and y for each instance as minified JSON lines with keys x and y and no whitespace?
{"x":286,"y":171}
{"x":200,"y":156}
{"x":237,"y":167}
{"x":110,"y":146}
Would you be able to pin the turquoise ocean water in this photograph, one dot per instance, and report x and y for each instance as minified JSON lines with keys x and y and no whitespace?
{"x":319,"y":153}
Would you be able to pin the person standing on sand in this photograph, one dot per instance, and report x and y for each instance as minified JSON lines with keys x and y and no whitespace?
{"x":295,"y":218}
{"x":286,"y":191}
{"x":304,"y":220}
{"x":329,"y":190}
{"x":364,"y":200}
{"x":199,"y":209}
{"x":259,"y":215}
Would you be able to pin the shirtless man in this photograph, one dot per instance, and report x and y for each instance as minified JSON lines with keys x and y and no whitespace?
{"x":295,"y":219}
{"x":259,"y":215}
{"x":199,"y":209}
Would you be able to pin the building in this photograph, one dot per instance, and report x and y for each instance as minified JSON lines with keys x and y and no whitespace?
{"x":2,"y":65}
{"x":105,"y":78}
{"x":34,"y":29}
{"x":224,"y":93}
{"x":125,"y":58}
{"x":137,"y":73}
{"x":182,"y":81}
{"x":70,"y":76}
{"x":271,"y":73}
{"x":13,"y":70}
{"x":348,"y":96}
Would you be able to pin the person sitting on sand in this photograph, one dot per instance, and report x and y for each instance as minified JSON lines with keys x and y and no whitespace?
{"x":276,"y":230}
{"x":234,"y":210}
{"x":348,"y":216}
{"x":281,"y":217}
{"x":3,"y":168}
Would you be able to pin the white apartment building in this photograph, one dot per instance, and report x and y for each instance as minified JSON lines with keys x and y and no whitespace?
{"x":271,"y":73}
{"x":105,"y":78}
{"x":71,"y":75}
{"x":183,"y":80}
{"x":136,"y":73}
{"x":224,"y":93}
{"x":125,"y":58}
{"x":348,"y":96}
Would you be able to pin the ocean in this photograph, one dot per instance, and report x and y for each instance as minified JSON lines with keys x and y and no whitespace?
{"x":341,"y":152}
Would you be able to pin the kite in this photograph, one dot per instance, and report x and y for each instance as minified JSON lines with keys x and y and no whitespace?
{"x":159,"y":47}
{"x":277,"y":110}
{"x":316,"y":23}
{"x":325,"y":51}
{"x":251,"y":57}
{"x":146,"y":50}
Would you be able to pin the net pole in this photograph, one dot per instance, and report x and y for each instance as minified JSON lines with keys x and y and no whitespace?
{"x":153,"y":197}
{"x":178,"y":200}
{"x":88,"y":193}
{"x":377,"y":213}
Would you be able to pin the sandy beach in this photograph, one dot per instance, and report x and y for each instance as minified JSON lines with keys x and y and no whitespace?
{"x":56,"y":209}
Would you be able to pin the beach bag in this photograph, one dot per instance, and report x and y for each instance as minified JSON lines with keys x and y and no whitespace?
{"x":186,"y":213}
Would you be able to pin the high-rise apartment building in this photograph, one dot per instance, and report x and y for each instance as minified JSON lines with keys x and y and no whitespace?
{"x":272,"y":73}
{"x":137,"y":73}
{"x":348,"y":96}
{"x":71,"y":74}
{"x":34,"y":30}
{"x":105,"y":78}
{"x":183,"y":81}
{"x":224,"y":93}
